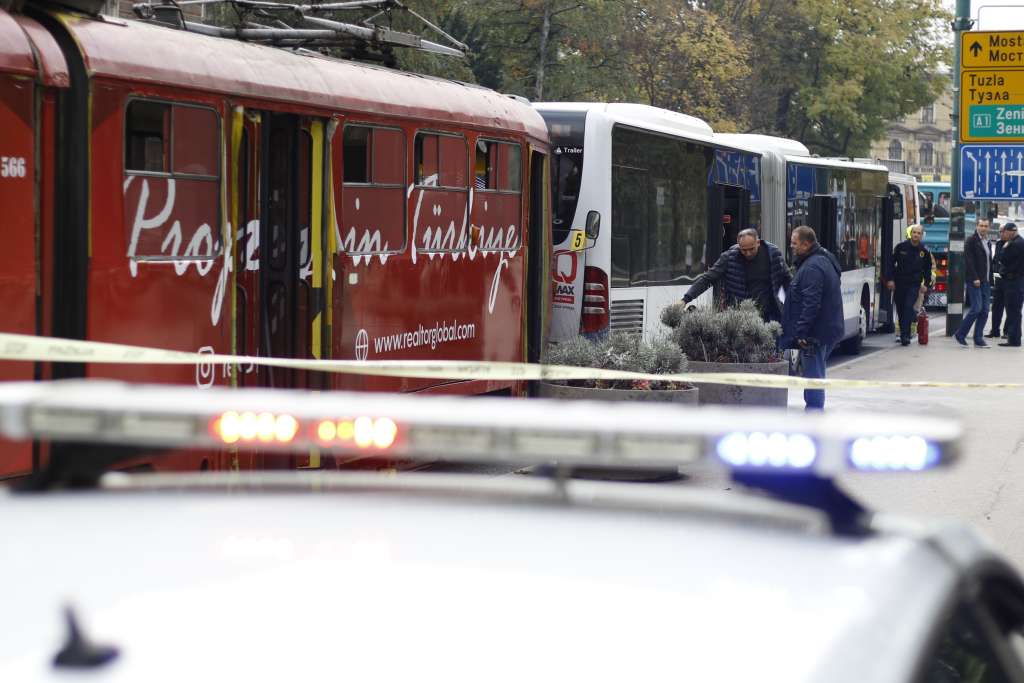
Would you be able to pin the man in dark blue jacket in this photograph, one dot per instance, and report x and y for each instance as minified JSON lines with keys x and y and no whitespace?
{"x":752,"y":269}
{"x":812,"y":318}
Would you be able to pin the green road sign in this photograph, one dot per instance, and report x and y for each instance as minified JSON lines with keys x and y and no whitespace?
{"x":996,"y":121}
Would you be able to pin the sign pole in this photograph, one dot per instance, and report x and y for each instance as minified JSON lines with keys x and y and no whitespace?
{"x":955,"y":279}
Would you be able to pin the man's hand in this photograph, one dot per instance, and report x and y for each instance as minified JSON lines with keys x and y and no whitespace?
{"x":890,"y":285}
{"x":924,"y":289}
{"x":803,"y":344}
{"x":977,"y":283}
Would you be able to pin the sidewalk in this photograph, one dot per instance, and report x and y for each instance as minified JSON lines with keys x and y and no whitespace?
{"x":987,"y":487}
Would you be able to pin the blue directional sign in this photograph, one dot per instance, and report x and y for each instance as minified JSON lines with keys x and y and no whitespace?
{"x":991,"y":171}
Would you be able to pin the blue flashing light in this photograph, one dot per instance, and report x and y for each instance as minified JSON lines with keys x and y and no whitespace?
{"x":895,"y":453}
{"x":775,"y":451}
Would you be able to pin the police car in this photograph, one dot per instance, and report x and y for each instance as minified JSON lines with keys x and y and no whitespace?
{"x":348,"y":576}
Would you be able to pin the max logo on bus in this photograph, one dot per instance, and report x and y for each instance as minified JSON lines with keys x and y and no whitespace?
{"x":566,"y":266}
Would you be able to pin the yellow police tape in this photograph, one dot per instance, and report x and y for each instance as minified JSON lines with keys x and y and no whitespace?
{"x":29,"y":348}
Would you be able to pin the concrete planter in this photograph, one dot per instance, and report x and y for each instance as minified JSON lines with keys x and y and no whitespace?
{"x":685,"y":396}
{"x":732,"y":395}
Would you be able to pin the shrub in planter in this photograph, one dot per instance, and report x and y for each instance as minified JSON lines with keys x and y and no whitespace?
{"x":732,"y":335}
{"x":621,"y":351}
{"x":730,"y":340}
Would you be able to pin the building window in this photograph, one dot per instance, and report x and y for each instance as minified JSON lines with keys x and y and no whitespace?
{"x":895,"y":150}
{"x":925,"y":154}
{"x":928,"y":114}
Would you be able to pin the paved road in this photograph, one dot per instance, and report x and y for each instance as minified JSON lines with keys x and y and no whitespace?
{"x":882,"y":341}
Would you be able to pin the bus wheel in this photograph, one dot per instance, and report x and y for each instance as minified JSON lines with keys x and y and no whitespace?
{"x":853,"y":345}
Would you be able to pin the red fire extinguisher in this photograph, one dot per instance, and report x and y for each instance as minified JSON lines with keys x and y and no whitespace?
{"x":922,"y":327}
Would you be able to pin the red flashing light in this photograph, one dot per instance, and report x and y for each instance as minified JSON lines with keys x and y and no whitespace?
{"x":940,"y":286}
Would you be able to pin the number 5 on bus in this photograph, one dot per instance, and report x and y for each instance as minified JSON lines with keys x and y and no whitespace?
{"x":578,"y":241}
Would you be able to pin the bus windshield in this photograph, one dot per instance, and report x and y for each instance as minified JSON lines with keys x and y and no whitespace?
{"x":567,"y":139}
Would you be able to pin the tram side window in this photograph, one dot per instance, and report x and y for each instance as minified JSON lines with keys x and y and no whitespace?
{"x":195,"y":145}
{"x":441,"y":161}
{"x":372,"y":208}
{"x":356,"y":146}
{"x":146,"y":134}
{"x":497,"y":177}
{"x":485,"y":165}
{"x":172,"y":154}
{"x":498,"y":166}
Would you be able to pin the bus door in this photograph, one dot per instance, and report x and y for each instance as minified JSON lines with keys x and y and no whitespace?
{"x":892,"y":220}
{"x":824,"y":216}
{"x":735,"y":214}
{"x":290,"y":321}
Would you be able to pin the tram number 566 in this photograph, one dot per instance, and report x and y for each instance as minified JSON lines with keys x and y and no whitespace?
{"x":12,"y":167}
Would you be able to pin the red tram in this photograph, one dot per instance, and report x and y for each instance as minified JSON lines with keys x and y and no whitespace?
{"x":170,"y":189}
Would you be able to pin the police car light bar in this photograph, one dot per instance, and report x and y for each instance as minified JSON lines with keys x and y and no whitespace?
{"x":471,"y":429}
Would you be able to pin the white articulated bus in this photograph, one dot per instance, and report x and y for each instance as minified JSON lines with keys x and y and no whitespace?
{"x":848,"y":205}
{"x":644,"y":201}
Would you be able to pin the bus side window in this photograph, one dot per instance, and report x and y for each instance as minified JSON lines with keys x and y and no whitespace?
{"x":897,"y":202}
{"x":927,"y":210}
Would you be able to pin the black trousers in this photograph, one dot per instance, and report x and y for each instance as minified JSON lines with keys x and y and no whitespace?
{"x":1013,"y":291}
{"x":997,"y":308}
{"x":904,"y":298}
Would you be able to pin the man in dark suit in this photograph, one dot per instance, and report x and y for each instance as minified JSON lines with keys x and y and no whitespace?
{"x":1012,"y":274}
{"x":997,"y":284}
{"x":978,"y":267}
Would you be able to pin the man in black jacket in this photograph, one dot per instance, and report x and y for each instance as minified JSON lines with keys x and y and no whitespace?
{"x":1012,"y":277}
{"x":751,"y":269}
{"x":911,"y":275}
{"x":997,"y":285}
{"x":978,"y":268}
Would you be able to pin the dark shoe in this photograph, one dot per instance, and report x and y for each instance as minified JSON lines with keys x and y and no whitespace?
{"x":960,"y":340}
{"x":980,"y":344}
{"x":1017,"y":345}
{"x":992,"y":335}
{"x":906,"y":342}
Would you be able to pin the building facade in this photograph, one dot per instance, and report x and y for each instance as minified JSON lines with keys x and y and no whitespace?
{"x":923,"y":141}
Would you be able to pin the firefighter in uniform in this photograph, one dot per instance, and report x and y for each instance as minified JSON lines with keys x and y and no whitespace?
{"x":911,"y":275}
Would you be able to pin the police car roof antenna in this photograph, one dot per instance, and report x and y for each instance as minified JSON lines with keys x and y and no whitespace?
{"x":296,"y":25}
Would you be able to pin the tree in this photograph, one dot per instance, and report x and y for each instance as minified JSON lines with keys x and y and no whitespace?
{"x":831,"y":73}
{"x":684,"y":59}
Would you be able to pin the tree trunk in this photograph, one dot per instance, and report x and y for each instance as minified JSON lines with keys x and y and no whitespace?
{"x":545,"y":32}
